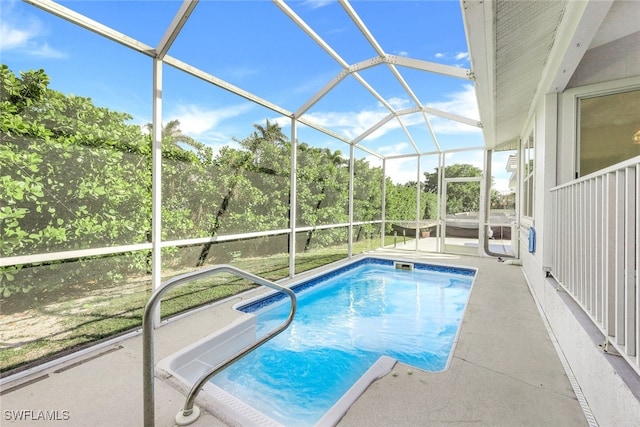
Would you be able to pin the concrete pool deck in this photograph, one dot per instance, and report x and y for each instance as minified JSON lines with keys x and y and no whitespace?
{"x":505,"y":370}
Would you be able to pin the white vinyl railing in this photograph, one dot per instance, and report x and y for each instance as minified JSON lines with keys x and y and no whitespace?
{"x":595,"y":251}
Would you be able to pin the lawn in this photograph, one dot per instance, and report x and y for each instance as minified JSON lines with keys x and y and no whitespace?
{"x":45,"y":328}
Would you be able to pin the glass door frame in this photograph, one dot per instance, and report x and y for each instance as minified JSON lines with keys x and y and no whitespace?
{"x":480,"y":219}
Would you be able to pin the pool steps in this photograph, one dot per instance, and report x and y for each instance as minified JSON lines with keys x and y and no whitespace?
{"x":190,"y":412}
{"x":186,"y":366}
{"x":199,"y":362}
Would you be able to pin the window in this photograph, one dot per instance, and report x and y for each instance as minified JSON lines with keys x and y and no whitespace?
{"x":528,"y":176}
{"x":609,"y":127}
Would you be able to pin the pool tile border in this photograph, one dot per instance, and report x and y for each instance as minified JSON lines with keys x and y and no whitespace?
{"x":253,"y":306}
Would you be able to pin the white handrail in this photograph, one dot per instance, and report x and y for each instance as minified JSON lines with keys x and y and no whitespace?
{"x":596,"y":229}
{"x":189,"y":413}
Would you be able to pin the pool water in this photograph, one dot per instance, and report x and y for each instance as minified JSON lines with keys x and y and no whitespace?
{"x":343,"y":325}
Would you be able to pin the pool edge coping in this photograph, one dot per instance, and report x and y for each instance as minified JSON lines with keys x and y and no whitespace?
{"x":221,"y":404}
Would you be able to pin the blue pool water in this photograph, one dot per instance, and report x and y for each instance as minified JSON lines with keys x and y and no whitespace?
{"x":345,"y":322}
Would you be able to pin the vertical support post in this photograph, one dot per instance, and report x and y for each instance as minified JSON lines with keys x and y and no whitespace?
{"x":293,"y":201}
{"x":610,"y":251}
{"x":485,"y":201}
{"x":593,"y":248}
{"x":597,"y":220}
{"x":546,"y":178}
{"x":556,"y":231}
{"x":620,"y":314}
{"x":440,"y":205}
{"x":156,"y":234}
{"x":564,"y":234}
{"x":418,"y":213}
{"x":518,"y":199}
{"x":351,"y":187}
{"x":383,"y":208}
{"x":486,"y":207}
{"x":561,"y":231}
{"x":630,"y":261}
{"x":584,"y":243}
{"x":573,"y":253}
{"x":156,"y":182}
{"x":637,"y":267}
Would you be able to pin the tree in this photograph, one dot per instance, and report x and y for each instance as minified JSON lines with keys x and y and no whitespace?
{"x":83,"y":176}
{"x":461,"y":196}
{"x":323,"y":193}
{"x":367,"y":196}
{"x":401,"y":201}
{"x":75,"y":176}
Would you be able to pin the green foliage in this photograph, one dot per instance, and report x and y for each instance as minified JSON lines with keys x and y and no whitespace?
{"x":461,"y":196}
{"x":74,"y":176}
{"x":78,"y":176}
{"x":430,"y":203}
{"x":401,"y":201}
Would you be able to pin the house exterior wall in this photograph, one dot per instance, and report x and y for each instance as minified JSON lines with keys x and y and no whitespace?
{"x":611,"y":391}
{"x":544,"y":126}
{"x":608,"y":62}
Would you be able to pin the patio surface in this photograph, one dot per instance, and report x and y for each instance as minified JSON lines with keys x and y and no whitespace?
{"x":505,"y":370}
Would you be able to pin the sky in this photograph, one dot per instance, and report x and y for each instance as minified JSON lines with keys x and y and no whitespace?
{"x":256,"y":47}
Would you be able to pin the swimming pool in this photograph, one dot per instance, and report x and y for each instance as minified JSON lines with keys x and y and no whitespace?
{"x":363,"y":314}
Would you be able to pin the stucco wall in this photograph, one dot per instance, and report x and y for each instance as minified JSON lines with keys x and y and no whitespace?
{"x":611,"y":61}
{"x":611,"y":391}
{"x":611,"y":388}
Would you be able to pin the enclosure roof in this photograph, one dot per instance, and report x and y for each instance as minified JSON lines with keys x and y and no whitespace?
{"x":391,"y":78}
{"x":524,"y":50}
{"x":396,"y":79}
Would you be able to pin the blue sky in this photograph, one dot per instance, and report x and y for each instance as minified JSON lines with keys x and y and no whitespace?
{"x":256,"y":47}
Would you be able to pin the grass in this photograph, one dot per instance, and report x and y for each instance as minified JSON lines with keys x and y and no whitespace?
{"x":47,"y":330}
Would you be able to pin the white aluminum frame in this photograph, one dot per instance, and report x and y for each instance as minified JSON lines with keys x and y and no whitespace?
{"x":160,"y":58}
{"x":597,"y":265}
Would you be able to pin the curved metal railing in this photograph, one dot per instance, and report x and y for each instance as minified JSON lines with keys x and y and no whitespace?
{"x":189,"y":412}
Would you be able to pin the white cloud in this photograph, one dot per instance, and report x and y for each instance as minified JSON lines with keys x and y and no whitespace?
{"x":45,"y":51}
{"x":402,"y":171}
{"x":24,"y":34}
{"x":472,"y":157}
{"x":350,"y":124}
{"x":315,"y":4}
{"x":13,"y":37}
{"x":195,"y":121}
{"x":399,"y":103}
{"x":208,"y":125}
{"x":284,"y":122}
{"x":458,"y":59}
{"x":462,"y":103}
{"x":395,"y":149}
